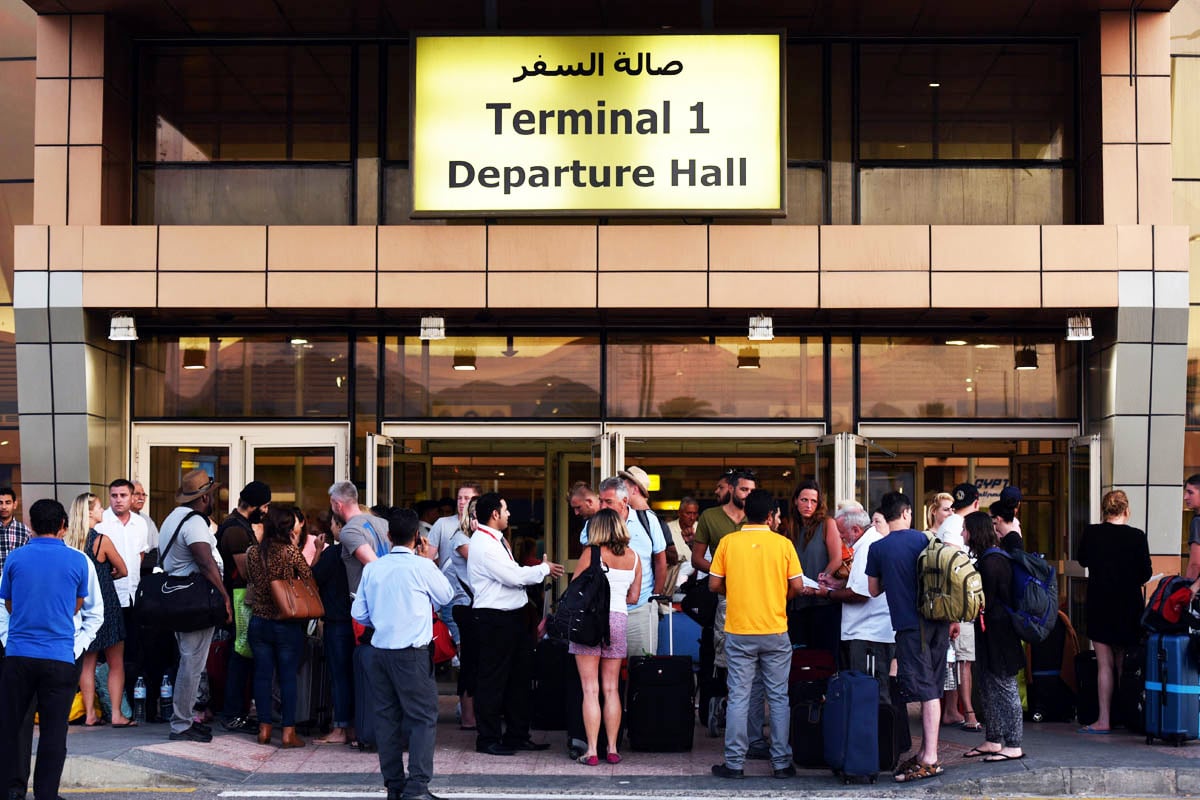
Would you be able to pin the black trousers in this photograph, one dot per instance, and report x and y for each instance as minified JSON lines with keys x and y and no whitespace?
{"x":52,"y":684}
{"x":505,"y":669}
{"x":406,"y":710}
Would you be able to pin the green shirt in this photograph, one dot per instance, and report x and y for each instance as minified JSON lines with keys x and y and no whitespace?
{"x":713,"y":524}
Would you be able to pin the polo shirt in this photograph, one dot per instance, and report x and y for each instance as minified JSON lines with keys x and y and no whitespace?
{"x":43,"y":580}
{"x":396,"y":596}
{"x":757,"y":564}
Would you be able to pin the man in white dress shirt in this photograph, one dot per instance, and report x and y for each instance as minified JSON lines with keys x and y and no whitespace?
{"x":505,"y":643}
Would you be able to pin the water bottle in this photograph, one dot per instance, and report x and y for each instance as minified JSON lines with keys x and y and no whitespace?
{"x":202,"y":694}
{"x":166,"y":700}
{"x":139,"y":700}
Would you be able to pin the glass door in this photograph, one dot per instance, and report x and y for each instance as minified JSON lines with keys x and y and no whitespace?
{"x":299,"y":463}
{"x":1083,"y":509}
{"x":381,"y":453}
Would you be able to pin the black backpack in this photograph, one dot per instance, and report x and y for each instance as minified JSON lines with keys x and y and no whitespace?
{"x":582,"y":613}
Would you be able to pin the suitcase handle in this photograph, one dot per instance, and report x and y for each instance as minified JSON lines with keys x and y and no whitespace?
{"x":666,"y":600}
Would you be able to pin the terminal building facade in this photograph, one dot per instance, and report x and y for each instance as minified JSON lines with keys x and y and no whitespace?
{"x":956,"y":182}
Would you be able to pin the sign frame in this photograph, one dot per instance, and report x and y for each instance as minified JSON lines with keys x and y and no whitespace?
{"x":565,"y":213}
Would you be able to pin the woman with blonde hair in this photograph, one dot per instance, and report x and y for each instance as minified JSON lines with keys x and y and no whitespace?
{"x":81,"y":534}
{"x":961,"y":654}
{"x":600,"y":665}
{"x":1117,"y":556}
{"x":936,"y":512}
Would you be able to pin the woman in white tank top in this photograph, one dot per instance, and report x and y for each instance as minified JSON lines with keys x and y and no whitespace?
{"x":600,"y":666}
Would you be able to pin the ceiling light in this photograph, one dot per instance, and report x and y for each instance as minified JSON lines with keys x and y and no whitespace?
{"x":956,"y":342}
{"x":195,"y":359}
{"x":762,"y":329}
{"x":122,"y":328}
{"x":1079,"y":328}
{"x":934,"y":84}
{"x":1026,"y":359}
{"x":986,"y":346}
{"x":299,"y":340}
{"x":464,"y":361}
{"x":748,"y":358}
{"x":433,"y":328}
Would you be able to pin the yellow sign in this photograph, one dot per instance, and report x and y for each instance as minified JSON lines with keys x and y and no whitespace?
{"x":597,"y":124}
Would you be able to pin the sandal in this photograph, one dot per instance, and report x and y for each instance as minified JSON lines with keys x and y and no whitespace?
{"x":919,"y":772}
{"x":905,"y":766}
{"x":976,"y":752}
{"x":973,"y":727}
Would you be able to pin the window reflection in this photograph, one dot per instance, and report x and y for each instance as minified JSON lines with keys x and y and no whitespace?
{"x":715,"y":378}
{"x":929,"y":378}
{"x":493,"y":377}
{"x":242,"y":377}
{"x":967,"y":196}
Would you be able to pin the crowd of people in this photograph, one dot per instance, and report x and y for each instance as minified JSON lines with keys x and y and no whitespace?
{"x":781,"y":577}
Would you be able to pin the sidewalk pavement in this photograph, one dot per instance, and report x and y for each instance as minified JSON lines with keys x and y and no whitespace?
{"x":1059,"y":761}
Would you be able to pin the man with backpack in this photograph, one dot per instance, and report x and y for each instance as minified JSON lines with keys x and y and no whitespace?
{"x":920,"y":643}
{"x":966,"y":501}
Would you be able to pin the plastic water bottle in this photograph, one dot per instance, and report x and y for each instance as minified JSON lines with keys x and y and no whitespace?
{"x":202,"y":694}
{"x":166,"y":700}
{"x":139,"y":700}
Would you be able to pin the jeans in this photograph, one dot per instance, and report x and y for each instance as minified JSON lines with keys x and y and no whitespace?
{"x":193,"y":658}
{"x":53,"y":684}
{"x":446,"y":615}
{"x":339,"y":653}
{"x":277,"y":646}
{"x":768,"y":655}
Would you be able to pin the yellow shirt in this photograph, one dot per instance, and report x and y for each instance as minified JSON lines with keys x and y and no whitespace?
{"x":757,"y":564}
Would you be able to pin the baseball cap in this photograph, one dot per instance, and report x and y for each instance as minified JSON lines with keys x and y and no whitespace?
{"x":1011,"y":495}
{"x":964,"y":495}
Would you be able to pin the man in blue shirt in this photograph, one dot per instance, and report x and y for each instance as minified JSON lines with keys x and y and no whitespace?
{"x":396,"y":596}
{"x":43,"y":585}
{"x":920,"y":643}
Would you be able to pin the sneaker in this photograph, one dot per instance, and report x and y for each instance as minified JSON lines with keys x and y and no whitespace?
{"x":785,"y":772}
{"x":192,"y":734}
{"x":724,"y":771}
{"x":241,"y":725}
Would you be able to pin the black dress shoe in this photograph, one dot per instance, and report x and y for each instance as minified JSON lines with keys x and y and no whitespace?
{"x":528,"y":745}
{"x":722,"y":771}
{"x":426,"y":795}
{"x":496,"y":750}
{"x":200,"y":726}
{"x":785,"y":772}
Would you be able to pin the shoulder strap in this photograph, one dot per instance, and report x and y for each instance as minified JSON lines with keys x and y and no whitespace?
{"x":643,"y":516}
{"x":175,"y":535}
{"x":597,"y":559}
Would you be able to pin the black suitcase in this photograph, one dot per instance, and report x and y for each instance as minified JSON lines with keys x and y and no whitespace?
{"x":1087,"y":699}
{"x":548,"y":693}
{"x":314,"y":693}
{"x":1050,"y":698}
{"x":364,"y":703}
{"x":895,"y":738}
{"x":1130,"y":705}
{"x":659,"y":715}
{"x":807,"y":736}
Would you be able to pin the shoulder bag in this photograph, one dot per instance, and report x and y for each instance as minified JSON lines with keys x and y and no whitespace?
{"x":180,"y":603}
{"x":295,"y":597}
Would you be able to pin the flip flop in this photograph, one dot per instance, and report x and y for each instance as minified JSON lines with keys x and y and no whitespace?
{"x":97,"y":724}
{"x":994,"y":757}
{"x":972,"y":727}
{"x":975,"y":752}
{"x":1093,"y":731}
{"x":130,"y":724}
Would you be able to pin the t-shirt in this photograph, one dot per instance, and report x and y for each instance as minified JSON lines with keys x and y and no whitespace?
{"x":43,"y":579}
{"x":756,"y":564}
{"x":455,"y":569}
{"x":951,"y":531}
{"x":1194,"y":530}
{"x":359,"y":530}
{"x":870,"y":621}
{"x":893,"y":560}
{"x":234,"y":538}
{"x":441,"y":533}
{"x":713,"y":524}
{"x":178,"y":560}
{"x":645,"y":544}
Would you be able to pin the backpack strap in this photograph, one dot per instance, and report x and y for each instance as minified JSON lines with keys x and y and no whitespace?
{"x":643,"y":516}
{"x":174,"y":536}
{"x":381,"y":549}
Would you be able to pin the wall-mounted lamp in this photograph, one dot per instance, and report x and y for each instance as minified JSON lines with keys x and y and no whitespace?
{"x":433,"y":328}
{"x":762,"y":329}
{"x":122,"y":328}
{"x":748,"y":358}
{"x":1026,"y":358}
{"x":464,"y":361}
{"x":1079,"y":328}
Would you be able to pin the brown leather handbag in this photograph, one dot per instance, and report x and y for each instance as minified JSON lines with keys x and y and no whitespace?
{"x":296,"y":597}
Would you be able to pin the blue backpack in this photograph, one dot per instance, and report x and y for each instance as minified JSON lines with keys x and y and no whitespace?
{"x":1034,"y":593}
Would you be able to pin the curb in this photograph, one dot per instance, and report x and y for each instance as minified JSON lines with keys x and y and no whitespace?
{"x":89,"y":772}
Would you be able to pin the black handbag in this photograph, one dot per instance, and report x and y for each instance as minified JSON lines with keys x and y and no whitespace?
{"x":180,"y":603}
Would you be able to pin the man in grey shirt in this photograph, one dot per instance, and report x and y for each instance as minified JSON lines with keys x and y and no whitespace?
{"x":364,"y":536}
{"x":192,"y":553}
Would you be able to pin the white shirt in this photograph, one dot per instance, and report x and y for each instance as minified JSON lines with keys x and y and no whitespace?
{"x":88,"y":618}
{"x":498,"y":580}
{"x":951,"y":531}
{"x":870,"y":621}
{"x":685,"y":552}
{"x":131,"y":540}
{"x":396,"y":596}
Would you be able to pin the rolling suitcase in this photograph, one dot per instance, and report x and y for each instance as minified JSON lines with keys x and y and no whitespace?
{"x":1172,"y":690}
{"x":1051,"y":698}
{"x":808,"y":682}
{"x":895,"y":738}
{"x":1087,"y":697}
{"x":364,"y":703}
{"x":850,"y":725}
{"x":314,"y":695}
{"x":658,"y":708}
{"x":549,"y":691}
{"x":1130,"y":702}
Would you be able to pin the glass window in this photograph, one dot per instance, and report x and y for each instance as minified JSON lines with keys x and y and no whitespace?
{"x":966,"y":196}
{"x":946,"y":102}
{"x":237,"y":195}
{"x":805,"y":103}
{"x":493,"y":376}
{"x":975,"y":377}
{"x":398,"y":71}
{"x":239,"y":103}
{"x":722,"y":377}
{"x":229,"y":377}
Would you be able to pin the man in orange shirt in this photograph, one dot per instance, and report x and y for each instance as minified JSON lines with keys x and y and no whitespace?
{"x":757,"y":570}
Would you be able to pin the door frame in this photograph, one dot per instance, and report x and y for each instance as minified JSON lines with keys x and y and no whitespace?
{"x":242,"y":439}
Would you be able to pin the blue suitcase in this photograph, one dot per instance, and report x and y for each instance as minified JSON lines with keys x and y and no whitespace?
{"x":679,"y":636}
{"x":851,"y":725}
{"x":1172,"y":690}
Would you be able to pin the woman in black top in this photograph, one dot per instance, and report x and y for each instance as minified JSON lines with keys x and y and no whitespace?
{"x":998,"y":649}
{"x":1118,"y":560}
{"x":330,"y":575}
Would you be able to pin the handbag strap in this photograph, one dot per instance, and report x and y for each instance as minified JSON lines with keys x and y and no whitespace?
{"x":174,"y":536}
